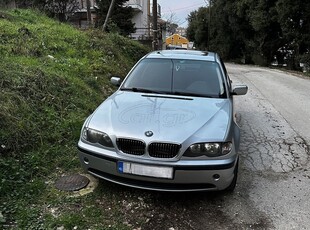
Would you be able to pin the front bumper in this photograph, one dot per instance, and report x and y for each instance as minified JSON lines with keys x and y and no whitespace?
{"x":188,"y":175}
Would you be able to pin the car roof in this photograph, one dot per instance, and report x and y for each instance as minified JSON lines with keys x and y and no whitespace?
{"x":183,"y":54}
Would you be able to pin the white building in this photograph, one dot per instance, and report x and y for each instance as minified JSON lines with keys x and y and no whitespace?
{"x":141,"y":18}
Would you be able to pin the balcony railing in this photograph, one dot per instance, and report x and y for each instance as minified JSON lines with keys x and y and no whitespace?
{"x":135,"y":4}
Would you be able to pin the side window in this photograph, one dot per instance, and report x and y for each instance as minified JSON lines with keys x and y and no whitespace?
{"x":226,"y":74}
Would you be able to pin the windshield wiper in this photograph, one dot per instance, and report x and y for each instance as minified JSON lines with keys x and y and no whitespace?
{"x":142,"y":90}
{"x":191,"y":94}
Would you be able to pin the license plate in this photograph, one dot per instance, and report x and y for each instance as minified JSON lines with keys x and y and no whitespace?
{"x":145,"y":170}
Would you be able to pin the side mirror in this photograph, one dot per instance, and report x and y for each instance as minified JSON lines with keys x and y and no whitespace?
{"x":116,"y":81}
{"x":239,"y":90}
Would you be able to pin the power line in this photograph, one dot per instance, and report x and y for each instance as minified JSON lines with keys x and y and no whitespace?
{"x":184,"y":8}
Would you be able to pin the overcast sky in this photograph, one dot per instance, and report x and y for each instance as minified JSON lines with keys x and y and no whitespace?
{"x":179,"y":9}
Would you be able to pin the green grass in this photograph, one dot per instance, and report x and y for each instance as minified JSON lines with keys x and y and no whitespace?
{"x":52,"y":76}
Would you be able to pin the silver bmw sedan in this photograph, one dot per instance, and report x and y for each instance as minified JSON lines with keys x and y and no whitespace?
{"x":170,"y":126}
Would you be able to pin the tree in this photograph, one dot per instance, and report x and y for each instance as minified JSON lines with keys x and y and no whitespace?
{"x":225,"y":31}
{"x":254,"y":30}
{"x":241,"y":29}
{"x":197,"y":30}
{"x":62,"y":9}
{"x":171,"y":28}
{"x":294,"y":19}
{"x":171,"y":23}
{"x":191,"y":28}
{"x":120,"y":21}
{"x":267,"y":37}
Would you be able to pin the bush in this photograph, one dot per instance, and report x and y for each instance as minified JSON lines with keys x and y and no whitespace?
{"x":54,"y":76}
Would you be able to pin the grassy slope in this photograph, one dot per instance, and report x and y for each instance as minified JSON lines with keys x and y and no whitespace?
{"x":51,"y":77}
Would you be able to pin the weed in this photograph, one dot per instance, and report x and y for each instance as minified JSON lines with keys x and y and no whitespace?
{"x":51,"y":77}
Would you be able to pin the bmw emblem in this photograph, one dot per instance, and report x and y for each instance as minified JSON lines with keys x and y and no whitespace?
{"x":148,"y":133}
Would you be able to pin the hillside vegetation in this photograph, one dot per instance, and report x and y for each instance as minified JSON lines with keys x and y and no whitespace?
{"x":52,"y":76}
{"x":274,"y":32}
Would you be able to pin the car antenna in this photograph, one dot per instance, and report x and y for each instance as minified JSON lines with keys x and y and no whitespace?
{"x":158,"y":52}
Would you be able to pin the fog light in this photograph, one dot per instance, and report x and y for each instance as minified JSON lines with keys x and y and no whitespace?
{"x":216,"y":177}
{"x":86,"y":161}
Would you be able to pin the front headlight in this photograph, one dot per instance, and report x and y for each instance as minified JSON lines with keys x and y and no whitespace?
{"x":94,"y":136}
{"x":208,"y":149}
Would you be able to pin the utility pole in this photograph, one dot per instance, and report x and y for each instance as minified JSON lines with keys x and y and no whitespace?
{"x":88,"y":12}
{"x":209,"y":24}
{"x":149,"y":18}
{"x":108,"y":15}
{"x":155,"y":29}
{"x":209,"y":27}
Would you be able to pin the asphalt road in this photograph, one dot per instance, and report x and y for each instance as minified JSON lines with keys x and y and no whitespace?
{"x":275,"y":121}
{"x":273,"y":188}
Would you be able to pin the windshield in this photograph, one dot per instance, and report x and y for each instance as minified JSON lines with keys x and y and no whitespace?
{"x":174,"y":76}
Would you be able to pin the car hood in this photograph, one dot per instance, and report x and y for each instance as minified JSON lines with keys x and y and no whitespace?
{"x":173,"y":119}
